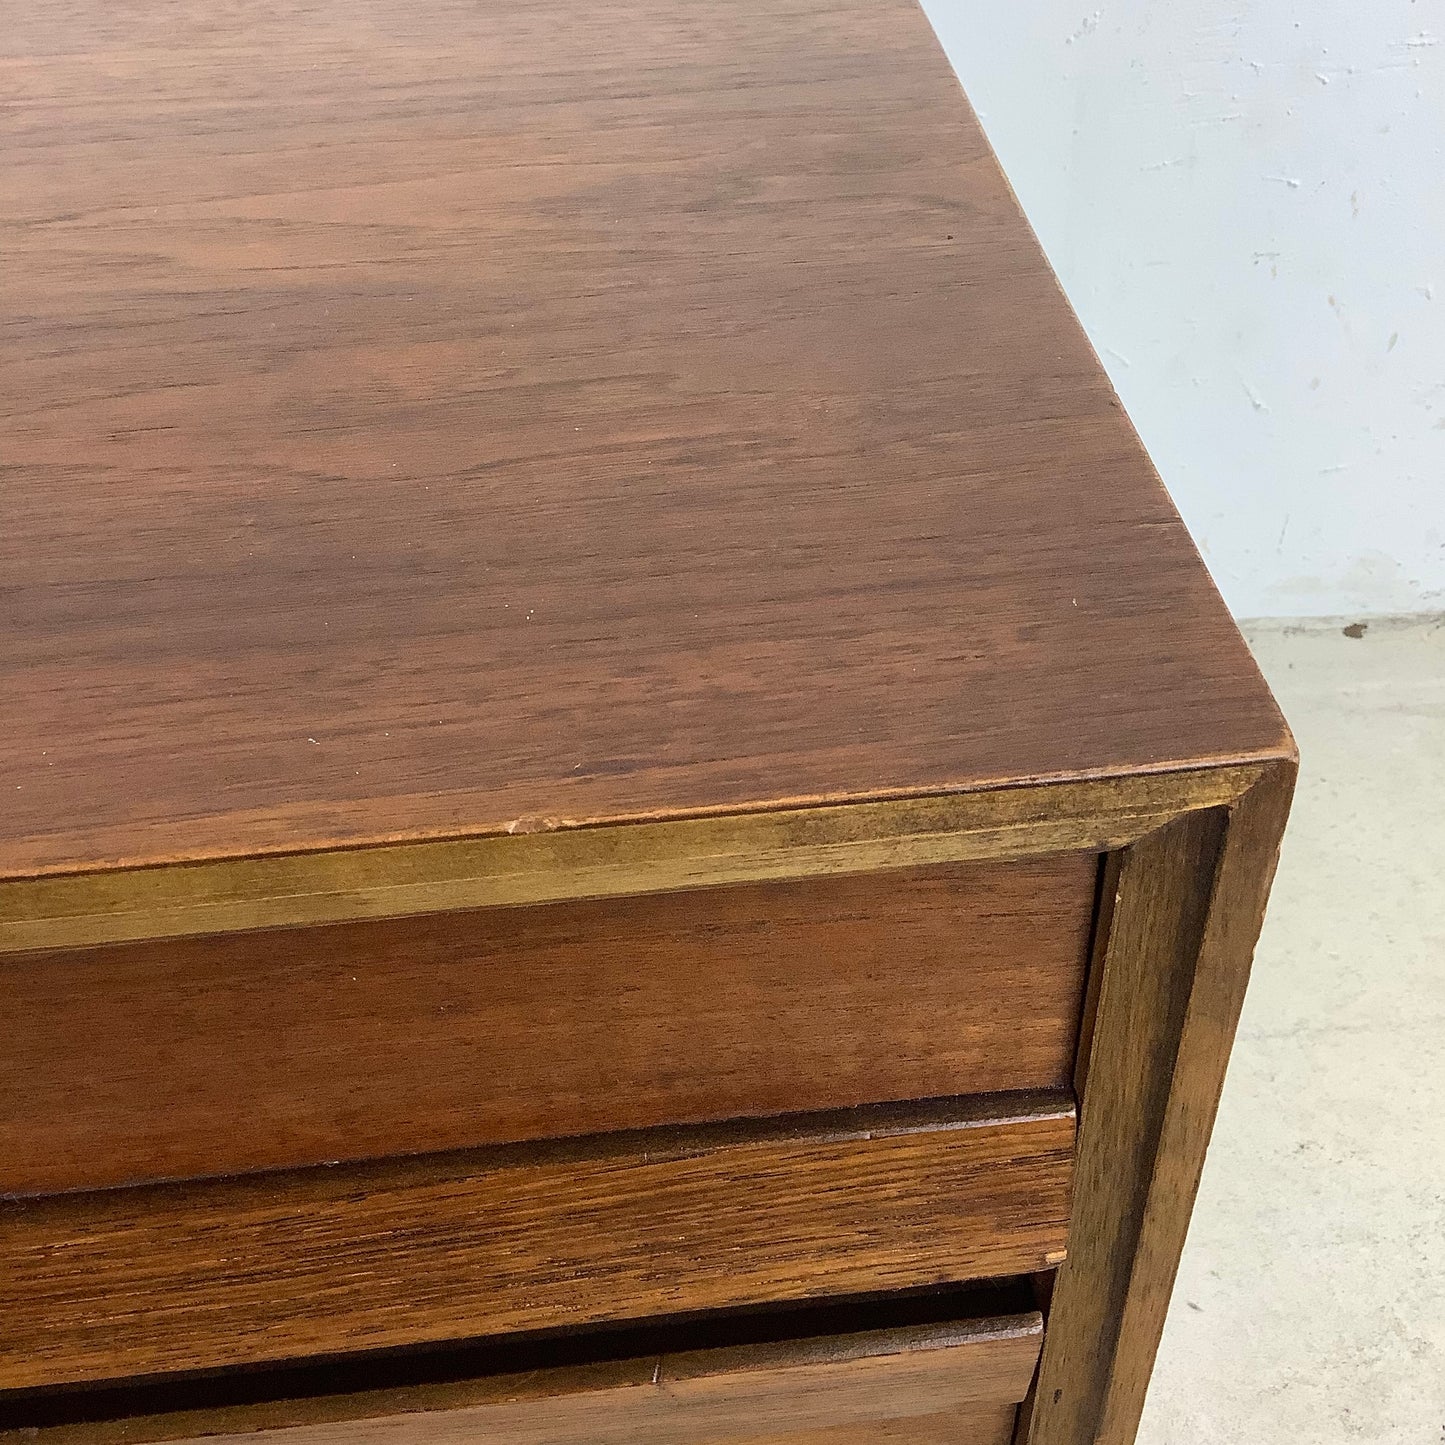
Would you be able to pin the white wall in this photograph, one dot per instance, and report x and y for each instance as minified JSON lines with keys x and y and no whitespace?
{"x":1246,"y":204}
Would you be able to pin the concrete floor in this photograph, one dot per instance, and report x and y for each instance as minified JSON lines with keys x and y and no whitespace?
{"x":1310,"y":1307}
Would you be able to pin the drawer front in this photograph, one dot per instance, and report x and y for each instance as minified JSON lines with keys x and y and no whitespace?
{"x":171,"y":1278}
{"x":967,"y":1425}
{"x":956,"y":1380}
{"x":278,"y":1049}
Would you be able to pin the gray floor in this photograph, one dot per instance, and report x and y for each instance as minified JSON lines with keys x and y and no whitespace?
{"x":1310,"y":1306}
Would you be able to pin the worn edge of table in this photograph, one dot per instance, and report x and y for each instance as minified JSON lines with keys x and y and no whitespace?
{"x":1180,"y":912}
{"x":1192,"y":857}
{"x":232,"y":894}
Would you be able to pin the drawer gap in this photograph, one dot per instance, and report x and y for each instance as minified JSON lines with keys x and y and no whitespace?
{"x":349,"y":1386}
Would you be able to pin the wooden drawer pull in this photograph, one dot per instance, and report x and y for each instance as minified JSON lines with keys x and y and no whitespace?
{"x":620,"y":1227}
{"x":958,"y":1380}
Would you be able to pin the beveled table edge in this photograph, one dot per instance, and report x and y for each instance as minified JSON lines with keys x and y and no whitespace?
{"x":552,"y":865}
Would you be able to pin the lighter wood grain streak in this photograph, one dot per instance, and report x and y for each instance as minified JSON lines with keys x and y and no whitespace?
{"x":235,"y":894}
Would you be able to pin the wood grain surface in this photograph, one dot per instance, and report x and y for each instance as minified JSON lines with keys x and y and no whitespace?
{"x":433,"y":420}
{"x":80,"y":910}
{"x":970,"y":1425}
{"x":608,"y":1420}
{"x":279,"y":1049}
{"x":920,"y":1384}
{"x":1165,"y":882}
{"x":618,"y":1227}
{"x":619,"y":1415}
{"x":1183,"y":912}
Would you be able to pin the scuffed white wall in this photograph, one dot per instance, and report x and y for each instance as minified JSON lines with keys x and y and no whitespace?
{"x":1246,"y":205}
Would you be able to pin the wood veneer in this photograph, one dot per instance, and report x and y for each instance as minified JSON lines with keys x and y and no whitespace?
{"x":146,"y":1280}
{"x":281,"y":1048}
{"x":472,"y":417}
{"x":464,"y":456}
{"x":919,"y":1369}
